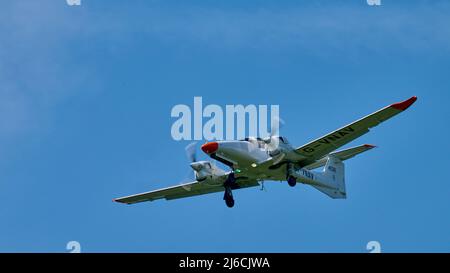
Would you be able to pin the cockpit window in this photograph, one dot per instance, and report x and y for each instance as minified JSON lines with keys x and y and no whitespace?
{"x":255,"y":140}
{"x":250,"y":139}
{"x":261,"y":141}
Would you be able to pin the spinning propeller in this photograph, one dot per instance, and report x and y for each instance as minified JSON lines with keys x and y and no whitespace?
{"x":191,"y":152}
{"x":272,"y":141}
{"x":191,"y":155}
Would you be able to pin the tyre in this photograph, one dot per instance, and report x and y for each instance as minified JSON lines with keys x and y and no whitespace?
{"x":292,"y":181}
{"x":229,"y":202}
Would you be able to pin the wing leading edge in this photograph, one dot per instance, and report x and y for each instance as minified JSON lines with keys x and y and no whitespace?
{"x":181,"y":191}
{"x":318,"y":148}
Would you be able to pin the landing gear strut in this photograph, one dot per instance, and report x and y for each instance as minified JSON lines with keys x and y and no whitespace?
{"x":228,"y":195}
{"x":292,"y":181}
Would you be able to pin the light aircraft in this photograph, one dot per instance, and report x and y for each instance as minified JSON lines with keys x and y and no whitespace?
{"x":254,"y":160}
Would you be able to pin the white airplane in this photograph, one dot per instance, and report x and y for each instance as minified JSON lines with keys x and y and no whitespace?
{"x":254,"y":160}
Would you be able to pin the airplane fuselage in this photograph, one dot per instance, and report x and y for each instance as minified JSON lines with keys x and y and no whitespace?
{"x":253,"y":160}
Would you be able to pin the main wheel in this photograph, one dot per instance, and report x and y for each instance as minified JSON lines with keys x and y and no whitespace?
{"x":292,"y":181}
{"x":229,"y":201}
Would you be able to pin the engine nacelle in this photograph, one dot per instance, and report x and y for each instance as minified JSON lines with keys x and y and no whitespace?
{"x":276,"y":145}
{"x":204,"y":171}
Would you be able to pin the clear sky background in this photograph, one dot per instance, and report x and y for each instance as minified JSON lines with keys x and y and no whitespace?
{"x":85,"y":100}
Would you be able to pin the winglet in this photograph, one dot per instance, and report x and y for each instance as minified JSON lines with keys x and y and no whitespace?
{"x":402,"y":106}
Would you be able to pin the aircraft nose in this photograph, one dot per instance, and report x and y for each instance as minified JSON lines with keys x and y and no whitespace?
{"x":210,"y":147}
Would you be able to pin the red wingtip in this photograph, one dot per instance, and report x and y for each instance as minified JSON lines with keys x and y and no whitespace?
{"x":370,"y":146}
{"x":404,"y":104}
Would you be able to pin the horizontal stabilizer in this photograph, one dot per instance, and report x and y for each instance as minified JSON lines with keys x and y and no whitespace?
{"x":342,"y":155}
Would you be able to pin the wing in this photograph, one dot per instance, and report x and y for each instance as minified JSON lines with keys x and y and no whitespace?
{"x":318,"y":148}
{"x":181,"y":191}
{"x":342,"y":155}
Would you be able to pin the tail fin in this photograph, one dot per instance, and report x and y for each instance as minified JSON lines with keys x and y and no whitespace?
{"x":333,"y":178}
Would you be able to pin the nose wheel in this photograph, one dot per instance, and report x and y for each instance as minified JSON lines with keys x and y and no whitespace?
{"x":228,"y":195}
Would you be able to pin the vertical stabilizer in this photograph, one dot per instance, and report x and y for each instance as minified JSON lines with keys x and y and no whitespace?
{"x":333,"y":178}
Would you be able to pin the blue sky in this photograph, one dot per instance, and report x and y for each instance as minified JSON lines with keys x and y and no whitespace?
{"x":85,"y":100}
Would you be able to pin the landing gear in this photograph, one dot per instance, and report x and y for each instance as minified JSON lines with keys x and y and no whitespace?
{"x":228,"y":195}
{"x":292,"y":181}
